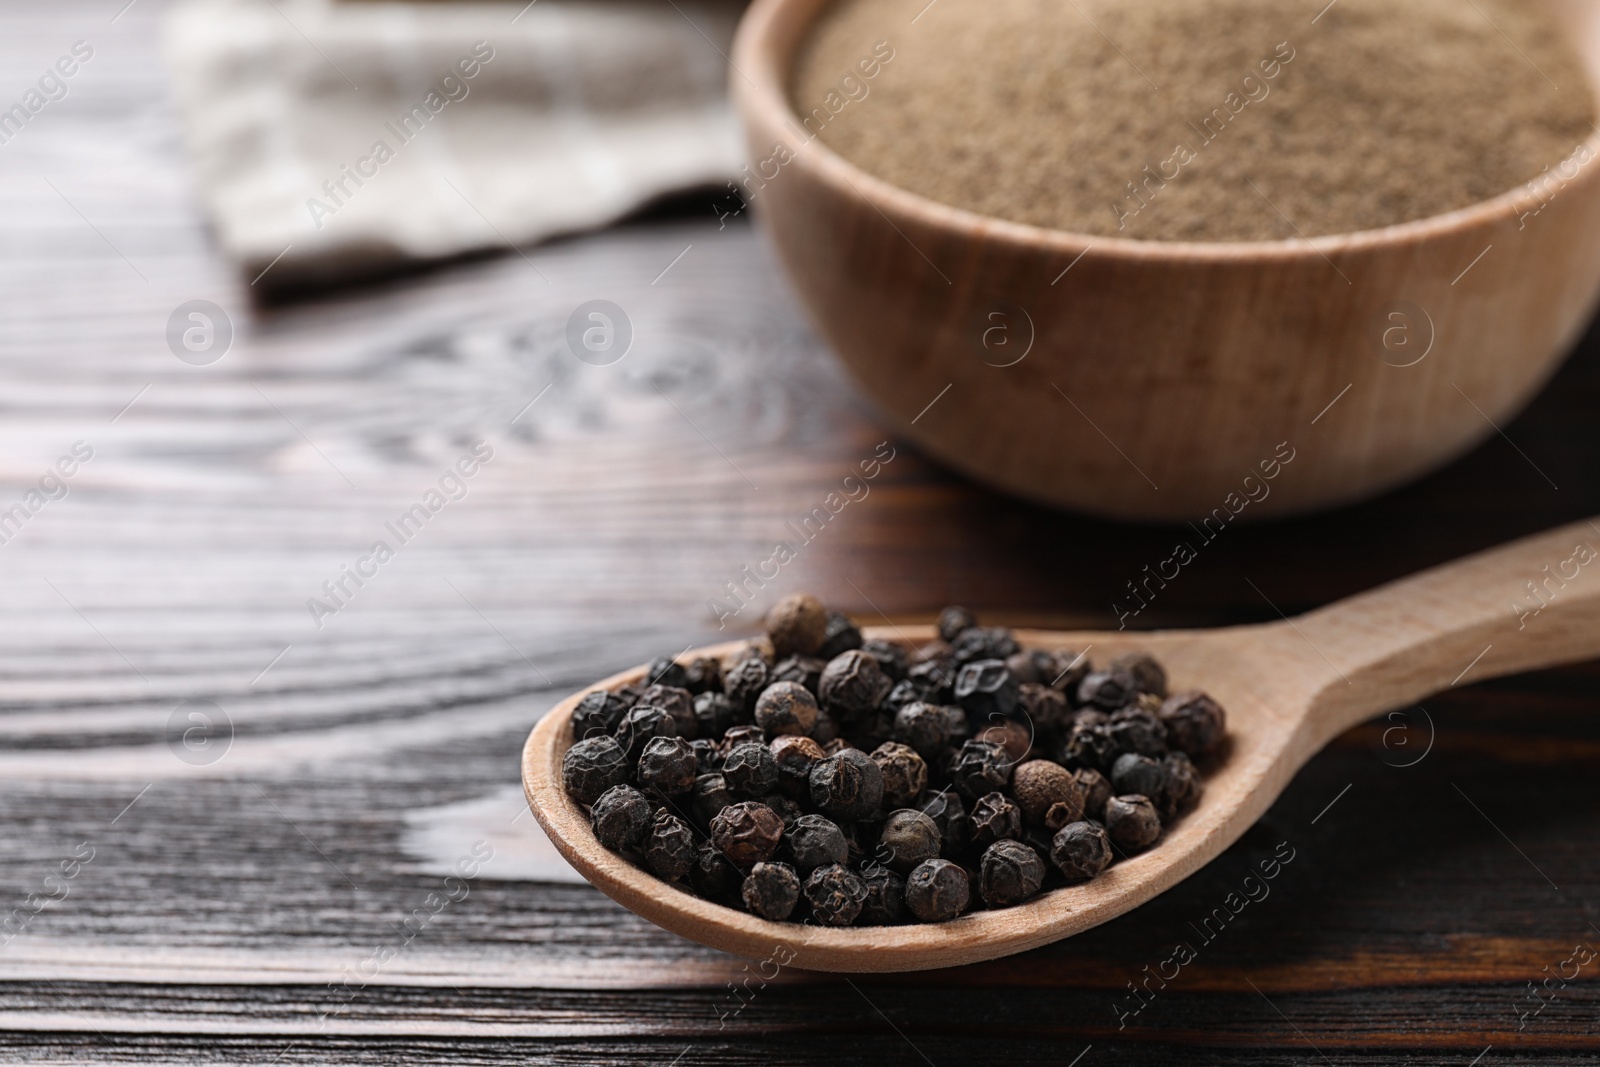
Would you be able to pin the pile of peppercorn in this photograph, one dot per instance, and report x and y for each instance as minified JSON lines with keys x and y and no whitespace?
{"x":856,"y":782}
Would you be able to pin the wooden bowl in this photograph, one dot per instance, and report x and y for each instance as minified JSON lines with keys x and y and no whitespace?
{"x":1161,"y":374}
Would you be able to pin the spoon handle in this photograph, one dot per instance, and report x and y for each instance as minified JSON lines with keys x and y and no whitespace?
{"x":1529,"y":604}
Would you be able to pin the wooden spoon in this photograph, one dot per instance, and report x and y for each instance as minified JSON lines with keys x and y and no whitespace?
{"x":1289,"y":687}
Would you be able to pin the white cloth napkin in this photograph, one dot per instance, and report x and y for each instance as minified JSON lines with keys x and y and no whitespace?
{"x":338,"y":139}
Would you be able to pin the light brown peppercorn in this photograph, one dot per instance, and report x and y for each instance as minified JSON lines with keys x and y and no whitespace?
{"x":1047,"y":793}
{"x":796,"y":625}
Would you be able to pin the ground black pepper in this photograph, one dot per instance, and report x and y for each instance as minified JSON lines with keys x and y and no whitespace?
{"x":883,"y":782}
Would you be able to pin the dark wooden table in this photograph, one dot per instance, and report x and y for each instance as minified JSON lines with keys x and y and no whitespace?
{"x":274,"y":888}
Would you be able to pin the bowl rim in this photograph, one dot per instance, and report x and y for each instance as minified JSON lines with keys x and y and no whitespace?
{"x":759,"y":74}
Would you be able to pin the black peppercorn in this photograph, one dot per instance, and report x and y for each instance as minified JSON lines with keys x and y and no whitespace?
{"x":1066,"y":672}
{"x":707,"y":756}
{"x":670,"y":850}
{"x":839,"y":636}
{"x":904,"y":692}
{"x":953,"y":620}
{"x":802,"y":670}
{"x":591,"y":767}
{"x":621,"y":818}
{"x":743,"y":683}
{"x":853,"y":684}
{"x":1009,"y":873}
{"x":1134,"y":729}
{"x":937,"y":891}
{"x":908,"y":837}
{"x":886,"y":898}
{"x":800,"y":742}
{"x":994,"y":818}
{"x":747,"y":833}
{"x":1182,"y":784}
{"x":1107,"y":690}
{"x":712,"y":714}
{"x":679,"y":704}
{"x":712,"y":876}
{"x":750,"y":770}
{"x":1195,"y":723}
{"x":640,"y":724}
{"x":1047,"y":710}
{"x":771,"y":890}
{"x":815,"y":841}
{"x":797,"y":624}
{"x":795,"y":757}
{"x":924,"y":727}
{"x":847,"y":785}
{"x":1089,"y":743}
{"x":1013,"y":736}
{"x":1149,"y":675}
{"x":664,"y":670}
{"x":905,"y":775}
{"x":598,"y":714}
{"x":936,"y":679}
{"x":979,"y":643}
{"x":980,"y":767}
{"x":836,"y":895}
{"x":986,"y":691}
{"x":703,"y":675}
{"x":1096,"y":791}
{"x":739,"y":735}
{"x":1024,"y":667}
{"x":1133,"y":773}
{"x":1047,"y":793}
{"x":786,"y":808}
{"x":1081,"y":850}
{"x":949,"y":814}
{"x":709,"y":796}
{"x":890,"y":656}
{"x":836,"y":746}
{"x":869,"y":731}
{"x":786,"y":708}
{"x":667,"y":766}
{"x":1132,"y":822}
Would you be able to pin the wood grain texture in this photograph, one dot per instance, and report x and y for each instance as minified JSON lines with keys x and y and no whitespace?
{"x":216,"y":923}
{"x":1144,"y":380}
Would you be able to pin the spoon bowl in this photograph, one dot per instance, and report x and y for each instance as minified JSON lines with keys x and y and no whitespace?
{"x":1289,"y":687}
